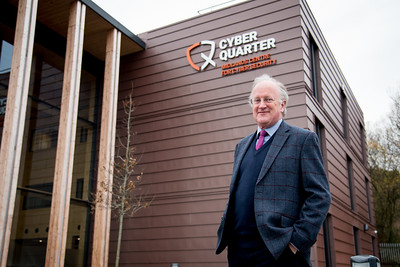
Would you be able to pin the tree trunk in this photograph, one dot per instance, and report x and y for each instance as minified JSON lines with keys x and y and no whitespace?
{"x":121,"y":220}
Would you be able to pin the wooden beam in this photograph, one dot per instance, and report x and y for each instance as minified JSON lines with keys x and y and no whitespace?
{"x":14,"y":121}
{"x":102,"y":221}
{"x":60,"y":204}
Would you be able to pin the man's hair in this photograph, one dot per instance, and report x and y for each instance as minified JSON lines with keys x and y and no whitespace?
{"x":281,"y":87}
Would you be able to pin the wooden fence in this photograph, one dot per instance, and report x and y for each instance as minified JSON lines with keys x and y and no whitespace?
{"x":390,"y":254}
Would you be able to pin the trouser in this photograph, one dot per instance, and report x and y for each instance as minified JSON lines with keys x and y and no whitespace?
{"x":248,"y":257}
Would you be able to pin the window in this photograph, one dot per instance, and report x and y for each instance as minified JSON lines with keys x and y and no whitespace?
{"x":44,"y":138}
{"x":84,"y":135}
{"x":374,"y":246}
{"x":356,"y":235}
{"x":329,"y":249}
{"x":351,"y":182}
{"x":37,"y":198}
{"x":79,"y":188}
{"x":363,"y":144}
{"x":75,"y":241}
{"x":38,"y":153}
{"x":6,"y":50}
{"x":320,"y":131}
{"x":343,"y":101}
{"x":368,"y":199}
{"x":315,"y":70}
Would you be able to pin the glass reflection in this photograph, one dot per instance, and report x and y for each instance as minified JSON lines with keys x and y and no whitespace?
{"x":35,"y":184}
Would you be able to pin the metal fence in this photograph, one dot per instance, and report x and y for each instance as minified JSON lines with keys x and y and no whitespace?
{"x":390,"y":253}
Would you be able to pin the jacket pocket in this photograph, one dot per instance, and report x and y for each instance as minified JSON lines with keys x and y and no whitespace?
{"x":287,"y":222}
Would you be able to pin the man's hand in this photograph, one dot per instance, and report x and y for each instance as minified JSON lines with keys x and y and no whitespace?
{"x":292,"y":248}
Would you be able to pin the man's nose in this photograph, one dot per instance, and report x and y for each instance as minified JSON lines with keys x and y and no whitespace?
{"x":263,"y":104}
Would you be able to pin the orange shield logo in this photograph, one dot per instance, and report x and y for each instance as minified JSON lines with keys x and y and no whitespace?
{"x":207,"y":59}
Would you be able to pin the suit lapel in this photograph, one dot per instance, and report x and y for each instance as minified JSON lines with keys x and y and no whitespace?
{"x":241,"y":153}
{"x":279,"y":140}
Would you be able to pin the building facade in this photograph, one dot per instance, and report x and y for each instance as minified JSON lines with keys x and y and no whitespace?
{"x":191,"y":85}
{"x":59,"y":73}
{"x":190,"y":82}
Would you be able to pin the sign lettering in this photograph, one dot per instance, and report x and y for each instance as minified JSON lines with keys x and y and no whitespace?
{"x":235,"y":47}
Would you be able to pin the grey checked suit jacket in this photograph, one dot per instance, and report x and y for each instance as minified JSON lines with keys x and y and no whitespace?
{"x":292,"y":197}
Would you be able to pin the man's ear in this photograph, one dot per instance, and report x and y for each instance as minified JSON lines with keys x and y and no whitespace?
{"x":283,"y":105}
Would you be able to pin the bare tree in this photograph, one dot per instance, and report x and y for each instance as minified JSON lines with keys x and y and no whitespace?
{"x":127,"y":195}
{"x":384,"y":159}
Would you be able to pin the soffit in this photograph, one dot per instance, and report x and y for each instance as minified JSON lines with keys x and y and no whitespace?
{"x":54,"y":14}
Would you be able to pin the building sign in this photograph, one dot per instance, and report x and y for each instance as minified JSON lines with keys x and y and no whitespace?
{"x":233,"y":48}
{"x":208,"y":59}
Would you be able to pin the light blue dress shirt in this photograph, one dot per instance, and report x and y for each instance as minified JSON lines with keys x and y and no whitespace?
{"x":270,"y":131}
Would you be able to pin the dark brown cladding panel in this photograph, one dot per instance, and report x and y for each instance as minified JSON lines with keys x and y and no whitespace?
{"x":188,"y":124}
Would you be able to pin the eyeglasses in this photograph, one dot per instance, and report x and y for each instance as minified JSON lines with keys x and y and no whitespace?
{"x":258,"y":101}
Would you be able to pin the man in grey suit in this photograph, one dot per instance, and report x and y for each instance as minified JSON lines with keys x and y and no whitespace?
{"x":279,"y":193}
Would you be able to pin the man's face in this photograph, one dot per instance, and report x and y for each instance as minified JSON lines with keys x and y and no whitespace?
{"x":267,"y":104}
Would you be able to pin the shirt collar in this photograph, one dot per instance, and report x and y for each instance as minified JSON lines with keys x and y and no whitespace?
{"x":272,"y":129}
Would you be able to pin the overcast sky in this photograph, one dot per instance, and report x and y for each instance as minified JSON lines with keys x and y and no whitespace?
{"x":362,"y":34}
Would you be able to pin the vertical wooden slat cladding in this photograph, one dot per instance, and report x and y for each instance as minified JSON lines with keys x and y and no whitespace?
{"x":188,"y":123}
